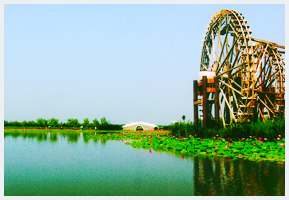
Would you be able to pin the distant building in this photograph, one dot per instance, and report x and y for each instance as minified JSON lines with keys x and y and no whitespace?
{"x":133,"y":126}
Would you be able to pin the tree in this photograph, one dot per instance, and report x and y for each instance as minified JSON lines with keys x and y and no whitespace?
{"x":184,"y":117}
{"x":86,"y":122}
{"x":16,"y":123}
{"x":53,"y":122}
{"x":42,"y":122}
{"x":6,"y":123}
{"x":72,"y":122}
{"x":96,"y":123}
{"x":24,"y":123}
{"x":103,"y":121}
{"x":31,"y":123}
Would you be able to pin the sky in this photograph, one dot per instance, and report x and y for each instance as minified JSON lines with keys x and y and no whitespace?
{"x":123,"y":62}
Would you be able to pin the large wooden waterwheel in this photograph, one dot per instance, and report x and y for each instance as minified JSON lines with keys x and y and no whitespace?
{"x":250,"y":72}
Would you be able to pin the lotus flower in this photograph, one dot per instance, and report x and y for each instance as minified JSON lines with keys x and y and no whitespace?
{"x":224,"y":140}
{"x":265,"y":138}
{"x":282,"y":145}
{"x":228,"y":138}
{"x":201,"y":139}
{"x":226,"y":147}
{"x":250,"y":136}
{"x":254,"y":144}
{"x":243,"y":138}
{"x":229,"y":143}
{"x":278,"y":138}
{"x":220,"y":138}
{"x":190,"y":135}
{"x":181,"y":137}
{"x":261,"y":142}
{"x":176,"y":138}
{"x":217,"y":135}
{"x":216,"y":147}
{"x":279,"y":135}
{"x":214,"y":140}
{"x":255,"y":138}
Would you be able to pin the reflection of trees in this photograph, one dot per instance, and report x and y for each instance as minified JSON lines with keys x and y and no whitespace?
{"x":41,"y":137}
{"x":223,"y":177}
{"x":53,"y":137}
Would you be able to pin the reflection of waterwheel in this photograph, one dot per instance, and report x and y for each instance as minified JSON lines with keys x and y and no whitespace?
{"x":250,"y":72}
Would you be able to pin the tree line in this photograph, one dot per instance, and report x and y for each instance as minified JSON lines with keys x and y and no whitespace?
{"x":70,"y":124}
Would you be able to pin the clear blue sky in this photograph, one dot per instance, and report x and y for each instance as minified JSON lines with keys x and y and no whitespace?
{"x":124,"y":62}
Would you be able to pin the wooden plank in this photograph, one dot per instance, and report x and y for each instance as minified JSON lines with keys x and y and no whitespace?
{"x":196,"y":112}
{"x":205,"y":104}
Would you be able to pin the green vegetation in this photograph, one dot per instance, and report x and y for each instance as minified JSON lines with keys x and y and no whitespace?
{"x":269,"y":129}
{"x":70,"y":124}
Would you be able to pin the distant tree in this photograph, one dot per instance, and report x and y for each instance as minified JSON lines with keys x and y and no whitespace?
{"x":103,"y":121}
{"x":16,"y":123}
{"x":24,"y":123}
{"x":72,"y":122}
{"x":42,"y":122}
{"x":184,"y":117}
{"x":96,"y":123}
{"x":53,"y":122}
{"x":31,"y":123}
{"x":6,"y":123}
{"x":85,"y":122}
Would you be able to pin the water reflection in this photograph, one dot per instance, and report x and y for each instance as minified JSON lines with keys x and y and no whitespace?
{"x":44,"y":136}
{"x":222,"y":177}
{"x":212,"y":176}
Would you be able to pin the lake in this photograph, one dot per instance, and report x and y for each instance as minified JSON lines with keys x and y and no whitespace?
{"x":66,"y":164}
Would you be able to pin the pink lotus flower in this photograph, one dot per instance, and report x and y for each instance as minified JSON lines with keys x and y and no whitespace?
{"x":250,"y":136}
{"x":261,"y":142}
{"x":201,"y":139}
{"x":265,"y":138}
{"x":240,"y":140}
{"x":217,"y":135}
{"x":278,"y":138}
{"x":190,"y":135}
{"x":220,"y":138}
{"x":254,"y":144}
{"x":164,"y":137}
{"x":224,"y":140}
{"x":282,"y":145}
{"x":176,"y":138}
{"x":214,"y":140}
{"x":260,"y":138}
{"x":181,"y":137}
{"x":255,"y":138}
{"x":226,"y":147}
{"x":279,"y":135}
{"x":216,"y":147}
{"x":212,"y":137}
{"x":229,"y":143}
{"x":243,"y":138}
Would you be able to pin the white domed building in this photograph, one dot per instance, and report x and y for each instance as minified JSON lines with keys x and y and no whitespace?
{"x":133,"y":126}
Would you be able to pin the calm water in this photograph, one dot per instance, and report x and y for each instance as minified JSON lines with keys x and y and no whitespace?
{"x":67,"y":164}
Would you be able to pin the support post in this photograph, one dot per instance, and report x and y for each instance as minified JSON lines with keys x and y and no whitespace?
{"x":205,"y":103}
{"x":196,"y":106}
{"x":217,"y":107}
